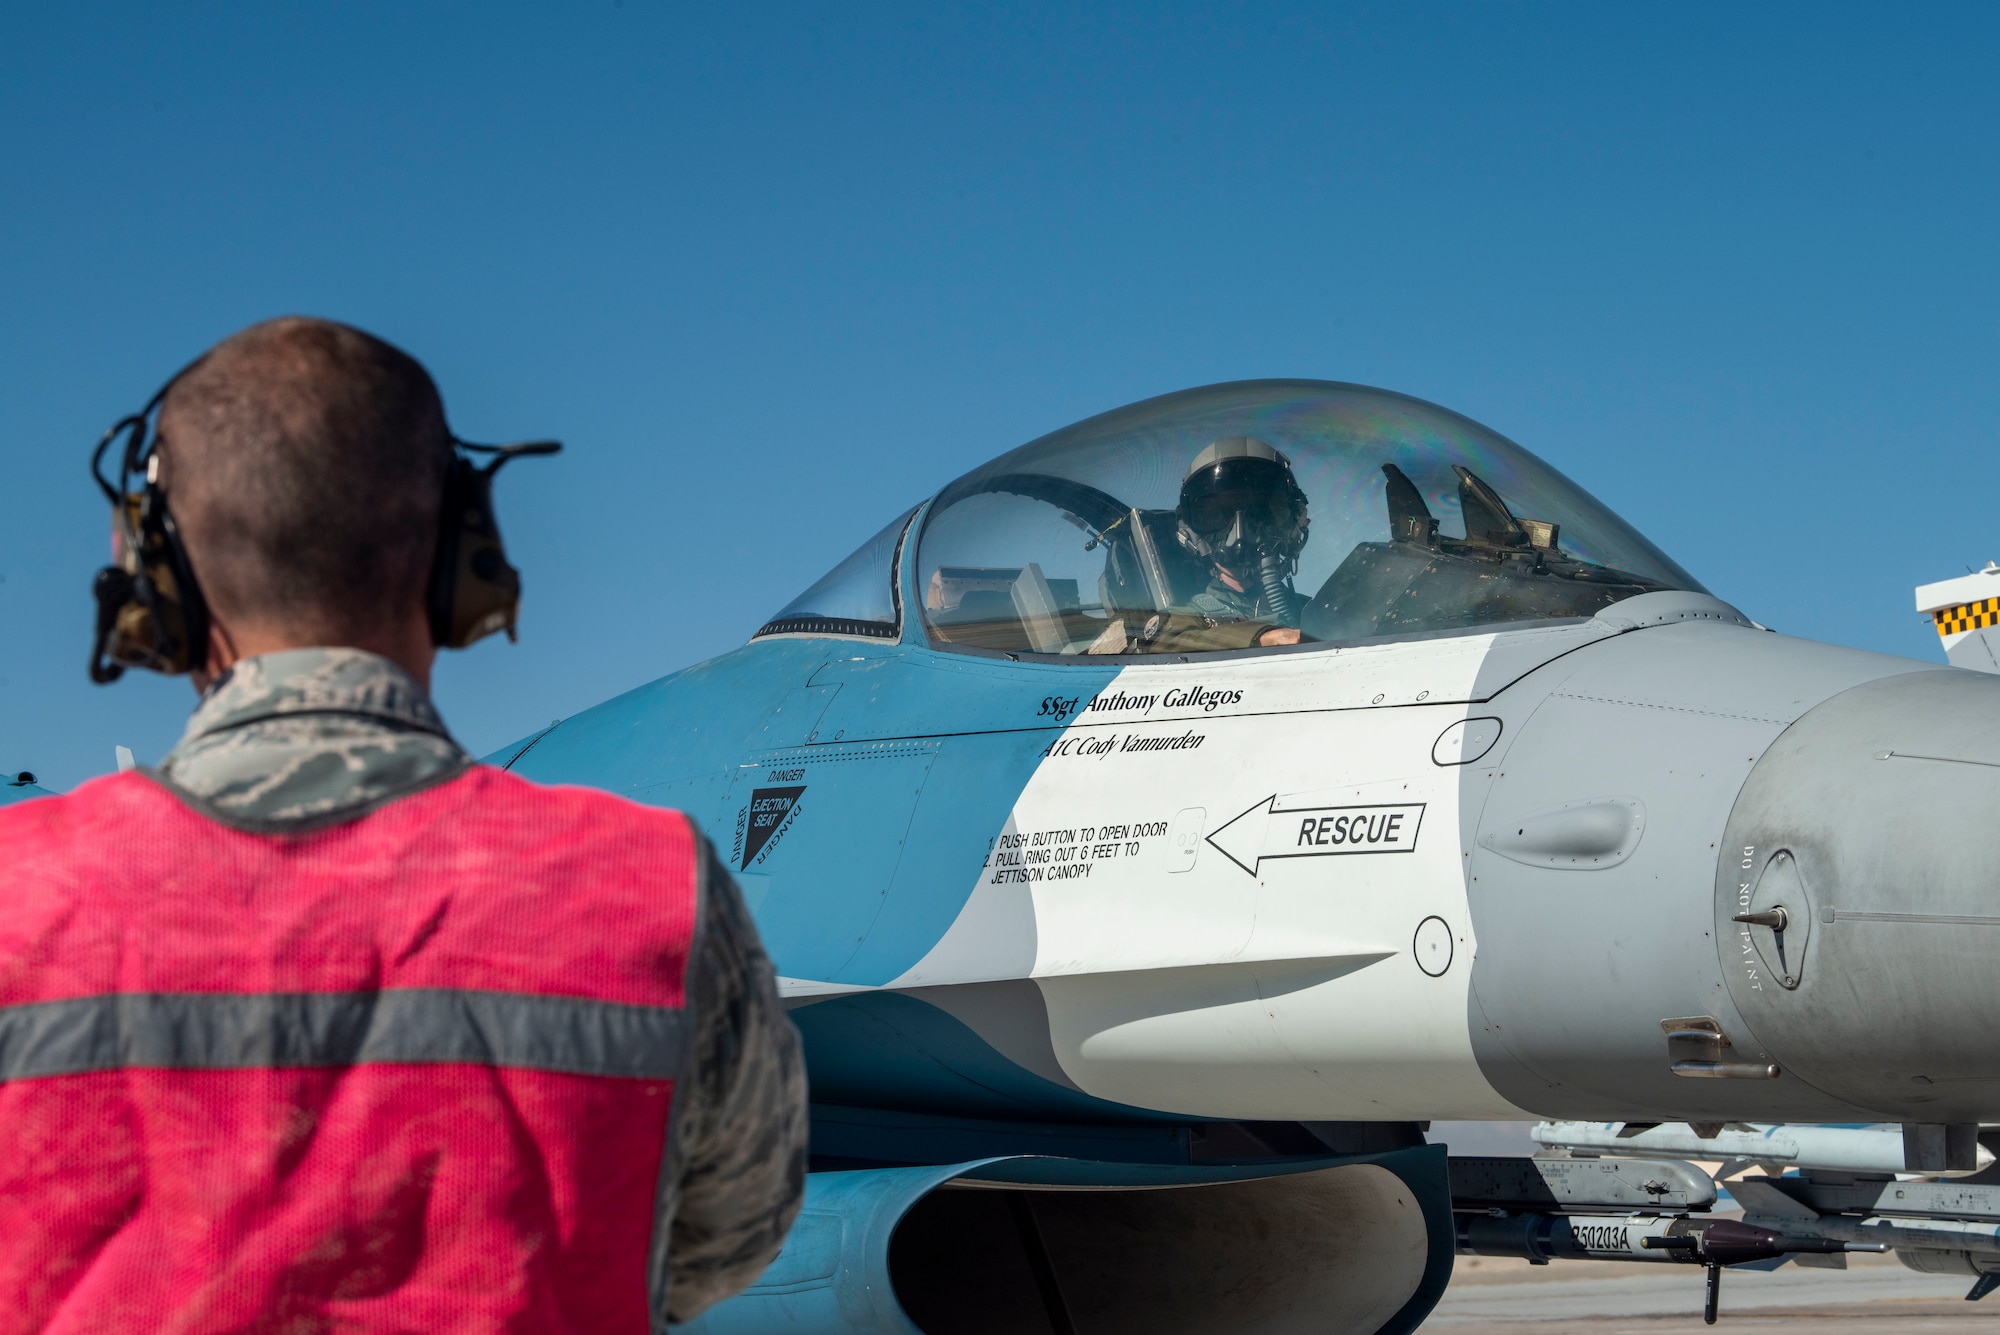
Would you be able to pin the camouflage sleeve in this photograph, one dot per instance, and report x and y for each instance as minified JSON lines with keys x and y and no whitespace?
{"x":740,"y":1139}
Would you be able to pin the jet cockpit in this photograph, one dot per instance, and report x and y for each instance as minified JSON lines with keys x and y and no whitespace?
{"x":1260,"y":514}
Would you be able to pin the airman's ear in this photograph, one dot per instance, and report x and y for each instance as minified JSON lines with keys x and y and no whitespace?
{"x":221,"y":657}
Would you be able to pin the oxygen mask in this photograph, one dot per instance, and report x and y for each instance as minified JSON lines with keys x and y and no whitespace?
{"x":1242,"y":511}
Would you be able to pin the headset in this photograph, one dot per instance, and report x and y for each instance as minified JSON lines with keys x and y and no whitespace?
{"x":150,"y":610}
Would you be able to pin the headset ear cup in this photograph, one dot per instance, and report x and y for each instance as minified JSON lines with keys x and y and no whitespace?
{"x":112,"y":588}
{"x":474,"y":591}
{"x":150,"y":609}
{"x":183,"y":608}
{"x":150,"y":612}
{"x":444,"y":567}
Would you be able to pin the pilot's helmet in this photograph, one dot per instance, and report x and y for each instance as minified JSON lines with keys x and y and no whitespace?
{"x":1240,"y":504}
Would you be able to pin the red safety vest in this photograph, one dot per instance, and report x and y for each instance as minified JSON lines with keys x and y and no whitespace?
{"x":412,"y":1072}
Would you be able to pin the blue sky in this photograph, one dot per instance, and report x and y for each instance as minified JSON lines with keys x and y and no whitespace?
{"x":775,"y":273}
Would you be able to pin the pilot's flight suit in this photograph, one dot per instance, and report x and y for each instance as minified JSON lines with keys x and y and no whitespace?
{"x":1223,"y":605}
{"x":324,"y":1026}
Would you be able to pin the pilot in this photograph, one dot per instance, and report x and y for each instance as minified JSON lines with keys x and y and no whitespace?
{"x":1243,"y":515}
{"x":325,"y":1022}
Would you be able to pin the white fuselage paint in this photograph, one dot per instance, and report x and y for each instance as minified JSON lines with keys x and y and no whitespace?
{"x":1267,"y":969}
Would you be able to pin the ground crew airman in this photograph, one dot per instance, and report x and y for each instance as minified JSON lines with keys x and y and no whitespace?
{"x":320,"y":1024}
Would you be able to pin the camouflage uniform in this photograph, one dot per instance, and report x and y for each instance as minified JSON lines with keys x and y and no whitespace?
{"x":309,"y":737}
{"x":296,"y":740}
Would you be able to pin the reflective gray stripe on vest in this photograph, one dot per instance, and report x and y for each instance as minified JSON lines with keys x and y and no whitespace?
{"x":232,"y":1031}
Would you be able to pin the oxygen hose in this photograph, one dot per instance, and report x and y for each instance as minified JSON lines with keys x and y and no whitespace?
{"x":1277,"y":598}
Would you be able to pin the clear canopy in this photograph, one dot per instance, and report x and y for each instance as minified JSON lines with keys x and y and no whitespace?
{"x":856,"y":597}
{"x":1265,"y":513}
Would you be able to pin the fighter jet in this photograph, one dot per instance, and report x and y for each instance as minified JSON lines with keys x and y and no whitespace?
{"x":18,"y":786}
{"x":1158,"y":825}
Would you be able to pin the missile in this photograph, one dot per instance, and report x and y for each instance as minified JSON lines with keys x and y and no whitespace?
{"x":1710,"y":1243}
{"x":1680,"y":1239}
{"x":1870,"y":1149}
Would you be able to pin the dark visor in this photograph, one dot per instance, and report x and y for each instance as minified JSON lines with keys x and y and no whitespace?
{"x":1254,"y":488}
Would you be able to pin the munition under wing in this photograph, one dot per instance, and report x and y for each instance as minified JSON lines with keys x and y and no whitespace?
{"x":1780,"y":1145}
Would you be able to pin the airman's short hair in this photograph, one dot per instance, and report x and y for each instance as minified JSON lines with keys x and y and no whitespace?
{"x":304,"y":461}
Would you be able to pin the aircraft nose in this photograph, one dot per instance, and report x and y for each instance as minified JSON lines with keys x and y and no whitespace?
{"x":1858,"y":897}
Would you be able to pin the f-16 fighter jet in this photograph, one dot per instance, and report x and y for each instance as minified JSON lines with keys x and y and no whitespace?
{"x":1159,"y":824}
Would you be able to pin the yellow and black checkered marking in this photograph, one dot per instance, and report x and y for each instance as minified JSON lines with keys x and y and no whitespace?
{"x":1967,"y":616}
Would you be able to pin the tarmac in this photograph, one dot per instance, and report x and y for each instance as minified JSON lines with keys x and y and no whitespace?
{"x":1492,"y":1296}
